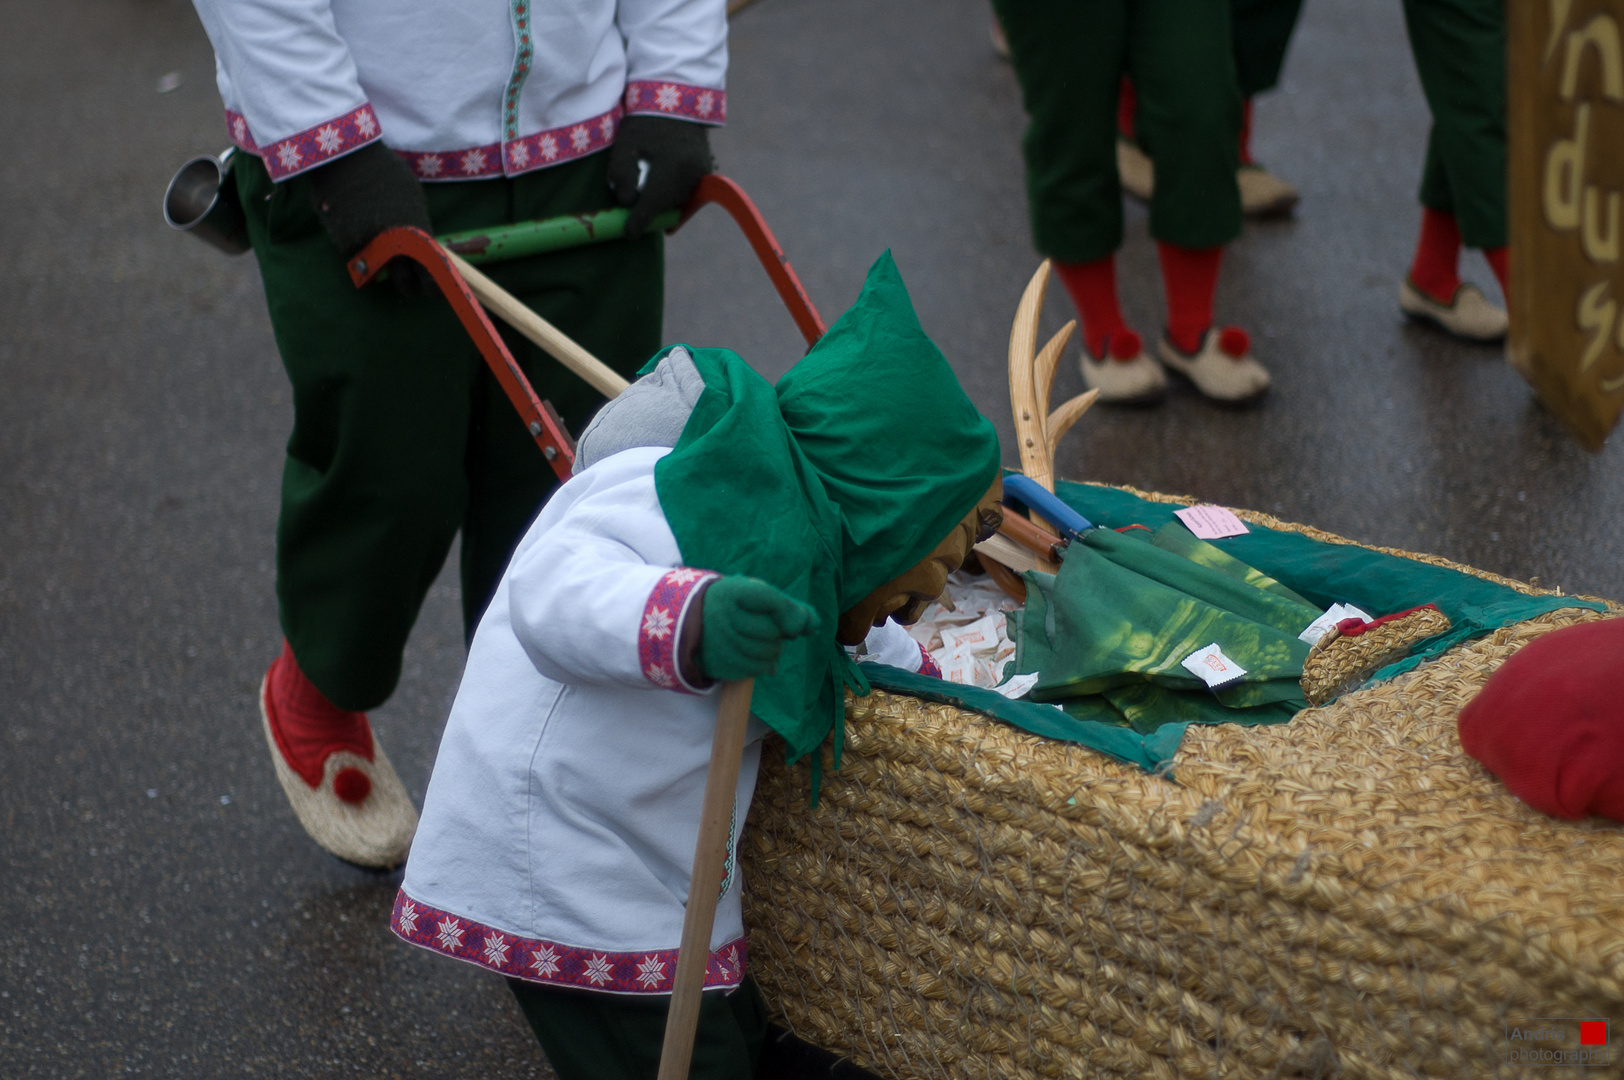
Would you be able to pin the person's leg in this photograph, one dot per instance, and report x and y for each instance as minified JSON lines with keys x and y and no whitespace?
{"x":1189,"y":117}
{"x":592,"y":1036}
{"x":1190,"y":277}
{"x":1459,"y":48}
{"x":1068,"y":59}
{"x":609,"y":298}
{"x":1260,"y":32}
{"x":1460,"y":55}
{"x":1435,"y":270}
{"x":372,"y":487}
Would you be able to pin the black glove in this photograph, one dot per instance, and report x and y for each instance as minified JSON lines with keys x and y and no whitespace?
{"x":360,"y":195}
{"x":678,"y":154}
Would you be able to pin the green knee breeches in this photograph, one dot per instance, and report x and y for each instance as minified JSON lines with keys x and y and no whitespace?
{"x":1070,"y":56}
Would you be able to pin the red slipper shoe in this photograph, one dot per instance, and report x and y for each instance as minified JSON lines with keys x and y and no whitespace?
{"x":337,"y":778}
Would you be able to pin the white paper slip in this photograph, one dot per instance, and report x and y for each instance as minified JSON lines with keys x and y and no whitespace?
{"x":1212,"y":667}
{"x":1322,"y":625}
{"x":1018,"y":686}
{"x":1333,"y":615}
{"x":981,"y":634}
{"x":1211,"y":522}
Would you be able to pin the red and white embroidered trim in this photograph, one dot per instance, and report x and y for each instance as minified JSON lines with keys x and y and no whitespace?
{"x":473,"y":163}
{"x":562,"y":144}
{"x":317,"y":146}
{"x":241,"y":137}
{"x":310,"y":148}
{"x":927,"y":666}
{"x":536,"y":151}
{"x":539,"y":960}
{"x":699,"y":103}
{"x":662,"y":622}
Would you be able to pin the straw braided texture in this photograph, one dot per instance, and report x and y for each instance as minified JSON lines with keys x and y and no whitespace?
{"x":1347,"y":895}
{"x":1337,"y":664}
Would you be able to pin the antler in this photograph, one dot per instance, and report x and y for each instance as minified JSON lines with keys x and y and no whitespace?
{"x":1031,"y":379}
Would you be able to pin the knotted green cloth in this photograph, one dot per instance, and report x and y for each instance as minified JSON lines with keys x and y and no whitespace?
{"x":865,"y":456}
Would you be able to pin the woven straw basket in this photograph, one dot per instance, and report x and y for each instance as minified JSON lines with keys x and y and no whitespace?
{"x":1347,"y":895}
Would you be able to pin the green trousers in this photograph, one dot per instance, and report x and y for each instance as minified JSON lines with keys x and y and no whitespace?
{"x":591,"y":1036}
{"x":1460,"y":54}
{"x":1070,"y":56}
{"x":1262,"y":30}
{"x":401,"y":437}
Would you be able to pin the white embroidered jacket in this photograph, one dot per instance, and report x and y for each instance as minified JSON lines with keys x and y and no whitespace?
{"x":558,"y":830}
{"x":462,"y":90}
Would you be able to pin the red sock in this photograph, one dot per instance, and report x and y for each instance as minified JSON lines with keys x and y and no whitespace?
{"x":1436,"y":269}
{"x":307,"y":727}
{"x":1246,"y":132}
{"x":1190,"y":276}
{"x":1500,"y":263}
{"x":1126,"y":104}
{"x":1092,"y":287}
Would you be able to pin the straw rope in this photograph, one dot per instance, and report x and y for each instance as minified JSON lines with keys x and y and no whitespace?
{"x":1347,"y":895}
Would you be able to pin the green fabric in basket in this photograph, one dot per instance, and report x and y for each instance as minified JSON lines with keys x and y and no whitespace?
{"x":1118,"y":676}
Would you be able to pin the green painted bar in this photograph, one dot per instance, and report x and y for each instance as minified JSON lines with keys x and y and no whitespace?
{"x":537,"y":237}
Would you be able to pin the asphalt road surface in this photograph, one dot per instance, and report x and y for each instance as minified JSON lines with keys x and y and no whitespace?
{"x":160,"y":911}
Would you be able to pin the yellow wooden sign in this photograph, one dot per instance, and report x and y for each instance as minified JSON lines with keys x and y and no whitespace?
{"x":1566,"y":145}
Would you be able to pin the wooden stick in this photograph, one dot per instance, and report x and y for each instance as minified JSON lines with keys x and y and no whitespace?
{"x":505,"y":306}
{"x":710,"y":855}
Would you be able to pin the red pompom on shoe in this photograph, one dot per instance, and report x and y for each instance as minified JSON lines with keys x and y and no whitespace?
{"x":1125,"y":345}
{"x":352,"y":785}
{"x":1550,"y":722}
{"x":1234,"y":342}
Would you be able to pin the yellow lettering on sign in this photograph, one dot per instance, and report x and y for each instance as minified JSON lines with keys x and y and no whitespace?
{"x":1603,"y":34}
{"x":1596,"y":314}
{"x":1600,"y":248}
{"x":1564,"y":173}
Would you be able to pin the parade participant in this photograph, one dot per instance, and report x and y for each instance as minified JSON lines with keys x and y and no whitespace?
{"x":1460,"y":54}
{"x":559,"y":826}
{"x":352,"y":118}
{"x":1070,"y":59}
{"x":1261,"y":30}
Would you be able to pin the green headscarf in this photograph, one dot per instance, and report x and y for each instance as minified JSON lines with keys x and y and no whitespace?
{"x":851,"y":472}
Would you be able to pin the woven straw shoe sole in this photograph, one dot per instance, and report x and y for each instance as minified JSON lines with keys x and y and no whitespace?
{"x":375,"y":833}
{"x":1263,"y":194}
{"x":1219,"y":376}
{"x":1469,"y":314}
{"x":1139,"y":381}
{"x":1136,"y":170}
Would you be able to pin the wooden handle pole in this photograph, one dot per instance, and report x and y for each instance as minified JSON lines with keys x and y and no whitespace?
{"x":505,"y":306}
{"x":710,"y":856}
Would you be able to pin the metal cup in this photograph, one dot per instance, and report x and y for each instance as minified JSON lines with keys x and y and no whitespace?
{"x":201,"y":202}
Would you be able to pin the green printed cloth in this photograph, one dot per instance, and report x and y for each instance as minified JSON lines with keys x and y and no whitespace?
{"x":1112,"y":630}
{"x":1109,"y":632}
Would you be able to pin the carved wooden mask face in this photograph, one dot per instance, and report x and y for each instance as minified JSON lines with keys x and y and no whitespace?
{"x":905,"y":597}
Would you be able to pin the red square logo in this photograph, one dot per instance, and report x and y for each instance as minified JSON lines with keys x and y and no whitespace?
{"x":1592,"y":1033}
